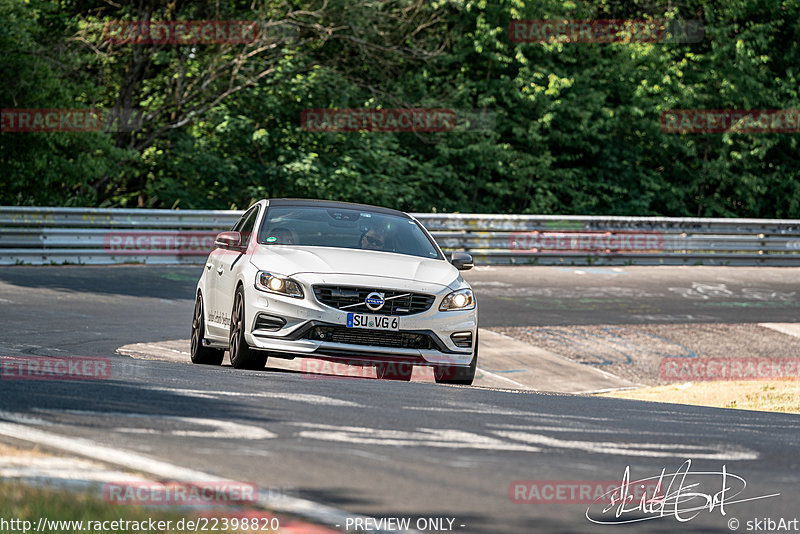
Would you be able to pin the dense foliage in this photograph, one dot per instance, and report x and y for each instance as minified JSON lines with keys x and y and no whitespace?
{"x":567,"y":128}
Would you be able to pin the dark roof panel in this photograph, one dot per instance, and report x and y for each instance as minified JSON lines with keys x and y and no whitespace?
{"x":333,"y":204}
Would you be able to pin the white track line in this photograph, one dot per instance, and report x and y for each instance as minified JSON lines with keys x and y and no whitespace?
{"x":269,"y":499}
{"x":520,"y":385}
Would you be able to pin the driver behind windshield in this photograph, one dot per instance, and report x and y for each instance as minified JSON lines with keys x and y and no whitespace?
{"x":374,"y":239}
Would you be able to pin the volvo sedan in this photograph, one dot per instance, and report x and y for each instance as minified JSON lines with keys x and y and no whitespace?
{"x":337,"y":281}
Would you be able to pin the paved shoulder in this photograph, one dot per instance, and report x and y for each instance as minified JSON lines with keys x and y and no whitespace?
{"x":504,"y":362}
{"x":532,"y":367}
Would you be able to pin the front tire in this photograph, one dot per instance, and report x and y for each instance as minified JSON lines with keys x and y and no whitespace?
{"x":453,"y":374}
{"x":199,"y":353}
{"x":242,"y":356}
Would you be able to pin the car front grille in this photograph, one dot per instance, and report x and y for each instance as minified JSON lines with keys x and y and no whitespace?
{"x":352,"y":299}
{"x":356,"y":336}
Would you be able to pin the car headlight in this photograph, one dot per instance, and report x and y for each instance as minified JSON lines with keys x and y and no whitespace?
{"x":462,"y":299}
{"x":274,"y":283}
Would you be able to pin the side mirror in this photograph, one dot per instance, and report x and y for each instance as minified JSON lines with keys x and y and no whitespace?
{"x":461,"y":261}
{"x":229,"y":241}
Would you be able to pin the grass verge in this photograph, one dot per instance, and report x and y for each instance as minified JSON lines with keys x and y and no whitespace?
{"x":766,"y":396}
{"x":61,"y":508}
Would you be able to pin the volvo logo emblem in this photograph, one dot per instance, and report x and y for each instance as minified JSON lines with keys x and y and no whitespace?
{"x":375,"y":301}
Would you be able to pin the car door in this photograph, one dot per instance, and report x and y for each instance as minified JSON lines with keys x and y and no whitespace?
{"x":225,"y":269}
{"x":218,"y":318}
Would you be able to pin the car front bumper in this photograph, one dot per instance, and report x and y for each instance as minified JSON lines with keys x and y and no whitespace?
{"x":302,"y":316}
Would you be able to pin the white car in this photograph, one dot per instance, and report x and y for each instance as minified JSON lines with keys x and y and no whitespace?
{"x":337,"y":281}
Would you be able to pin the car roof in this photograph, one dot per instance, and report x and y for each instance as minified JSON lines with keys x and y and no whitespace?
{"x":333,"y":204}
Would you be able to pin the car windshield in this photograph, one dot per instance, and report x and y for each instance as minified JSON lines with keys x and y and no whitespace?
{"x":323,"y":226}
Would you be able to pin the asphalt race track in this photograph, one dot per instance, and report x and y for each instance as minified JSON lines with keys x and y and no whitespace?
{"x":415,"y":450}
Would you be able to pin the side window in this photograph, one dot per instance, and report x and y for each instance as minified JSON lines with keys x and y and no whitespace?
{"x":237,"y":227}
{"x":245,"y":225}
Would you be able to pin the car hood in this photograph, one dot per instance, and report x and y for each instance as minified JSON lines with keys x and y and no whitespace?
{"x":293,"y":260}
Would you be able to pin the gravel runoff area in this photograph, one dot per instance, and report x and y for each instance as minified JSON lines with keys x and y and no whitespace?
{"x":635,"y":352}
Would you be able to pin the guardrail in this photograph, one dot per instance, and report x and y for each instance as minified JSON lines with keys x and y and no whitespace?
{"x":110,"y":236}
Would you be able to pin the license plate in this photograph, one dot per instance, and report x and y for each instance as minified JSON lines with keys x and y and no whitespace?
{"x":375,"y":322}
